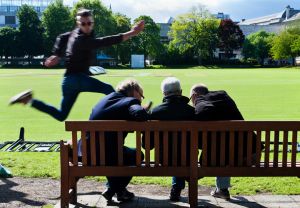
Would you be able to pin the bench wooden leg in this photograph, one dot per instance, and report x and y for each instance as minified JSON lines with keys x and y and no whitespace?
{"x":193,"y":192}
{"x":64,"y":181}
{"x":73,"y":194}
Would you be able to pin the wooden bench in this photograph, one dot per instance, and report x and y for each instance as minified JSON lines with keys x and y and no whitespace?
{"x":278,"y":136}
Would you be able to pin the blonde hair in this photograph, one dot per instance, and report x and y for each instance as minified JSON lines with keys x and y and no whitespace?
{"x":128,"y":86}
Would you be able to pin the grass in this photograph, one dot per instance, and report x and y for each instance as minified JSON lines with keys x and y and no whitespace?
{"x":261,"y":94}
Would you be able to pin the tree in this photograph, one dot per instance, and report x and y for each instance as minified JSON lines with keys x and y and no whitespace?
{"x":195,"y":33}
{"x":8,"y":36}
{"x":122,"y":50}
{"x":283,"y":45}
{"x":257,"y":45}
{"x":56,"y":19}
{"x":230,"y":36}
{"x":30,"y":32}
{"x":148,"y":41}
{"x":296,"y":46}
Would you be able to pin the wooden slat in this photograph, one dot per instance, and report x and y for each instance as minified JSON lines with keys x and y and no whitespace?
{"x":294,"y":148}
{"x":102,"y":148}
{"x":213,"y":150}
{"x":174,"y":148}
{"x":138,"y":149}
{"x":231,"y":146}
{"x":241,"y":148}
{"x":147,"y":150}
{"x":156,"y":145}
{"x":276,"y":148}
{"x":285,"y":148}
{"x":84,"y":148}
{"x":165,"y":148}
{"x":249,"y":148}
{"x":183,"y":148}
{"x":204,"y":148}
{"x":223,"y":149}
{"x":93,"y":147}
{"x":75,"y":148}
{"x":258,"y":149}
{"x":267,"y":148}
{"x":120,"y":148}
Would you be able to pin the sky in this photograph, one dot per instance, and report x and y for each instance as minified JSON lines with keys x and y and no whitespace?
{"x":161,"y":10}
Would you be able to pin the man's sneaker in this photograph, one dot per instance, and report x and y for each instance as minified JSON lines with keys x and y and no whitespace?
{"x":175,"y":194}
{"x":23,"y":97}
{"x":221,"y":193}
{"x":124,"y":195}
{"x":108,"y":194}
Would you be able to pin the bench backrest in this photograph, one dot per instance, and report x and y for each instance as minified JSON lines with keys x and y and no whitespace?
{"x":220,"y":142}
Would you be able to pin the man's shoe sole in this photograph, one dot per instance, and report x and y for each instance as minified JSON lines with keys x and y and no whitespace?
{"x":15,"y":99}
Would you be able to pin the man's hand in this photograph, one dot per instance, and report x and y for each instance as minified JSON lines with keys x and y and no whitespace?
{"x":135,"y":30}
{"x":52,"y":61}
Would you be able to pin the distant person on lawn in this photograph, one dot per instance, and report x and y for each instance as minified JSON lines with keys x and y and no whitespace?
{"x":77,"y":46}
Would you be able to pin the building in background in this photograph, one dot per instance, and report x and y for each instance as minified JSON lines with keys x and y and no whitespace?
{"x":221,"y":16}
{"x":274,"y":23}
{"x":9,"y":10}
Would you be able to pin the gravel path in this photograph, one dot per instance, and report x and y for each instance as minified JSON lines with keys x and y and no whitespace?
{"x":37,"y":192}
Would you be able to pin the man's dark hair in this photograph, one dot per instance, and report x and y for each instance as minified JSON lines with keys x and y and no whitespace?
{"x":199,"y":89}
{"x":84,"y":12}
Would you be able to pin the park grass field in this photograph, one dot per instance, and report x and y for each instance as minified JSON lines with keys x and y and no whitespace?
{"x":261,"y":94}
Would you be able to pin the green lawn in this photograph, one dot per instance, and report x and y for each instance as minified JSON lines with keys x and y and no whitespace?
{"x":261,"y":94}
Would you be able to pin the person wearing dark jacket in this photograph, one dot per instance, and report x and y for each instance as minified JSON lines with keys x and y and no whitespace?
{"x":174,"y":107}
{"x":78,"y":48}
{"x":124,"y":104}
{"x":213,"y":106}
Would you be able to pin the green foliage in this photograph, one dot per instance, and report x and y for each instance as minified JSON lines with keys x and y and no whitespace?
{"x":56,"y":19}
{"x":123,"y":49}
{"x":285,"y":45}
{"x":257,"y":45}
{"x":230,"y":36}
{"x":148,"y":41}
{"x":30,"y":32}
{"x":8,"y":38}
{"x":195,"y":33}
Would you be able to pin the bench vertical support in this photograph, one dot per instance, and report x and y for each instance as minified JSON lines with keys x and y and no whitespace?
{"x":64,"y":181}
{"x":193,"y":184}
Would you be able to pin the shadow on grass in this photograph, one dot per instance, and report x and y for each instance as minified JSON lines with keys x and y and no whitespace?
{"x":8,"y":195}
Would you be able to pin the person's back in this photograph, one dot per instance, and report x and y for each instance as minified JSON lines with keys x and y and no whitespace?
{"x":174,"y":107}
{"x":125,"y":104}
{"x":216,"y":106}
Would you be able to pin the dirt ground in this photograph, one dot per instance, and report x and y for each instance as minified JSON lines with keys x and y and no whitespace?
{"x":36,"y":192}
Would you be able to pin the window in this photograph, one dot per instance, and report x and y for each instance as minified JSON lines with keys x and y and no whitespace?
{"x":10,"y":20}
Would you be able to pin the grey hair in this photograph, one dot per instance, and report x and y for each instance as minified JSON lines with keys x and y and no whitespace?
{"x":128,"y":86}
{"x":199,"y":89}
{"x":170,"y":86}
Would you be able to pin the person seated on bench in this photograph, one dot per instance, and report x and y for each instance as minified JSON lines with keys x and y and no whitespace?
{"x":174,"y":107}
{"x":124,"y":104}
{"x":218,"y":105}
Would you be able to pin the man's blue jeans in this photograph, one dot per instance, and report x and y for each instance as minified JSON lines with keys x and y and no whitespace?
{"x":72,"y":85}
{"x":178,"y":183}
{"x":222,"y":182}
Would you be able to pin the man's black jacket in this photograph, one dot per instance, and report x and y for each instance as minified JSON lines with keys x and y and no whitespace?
{"x":116,"y":106}
{"x":218,"y":105}
{"x":173,"y":108}
{"x":78,"y":48}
